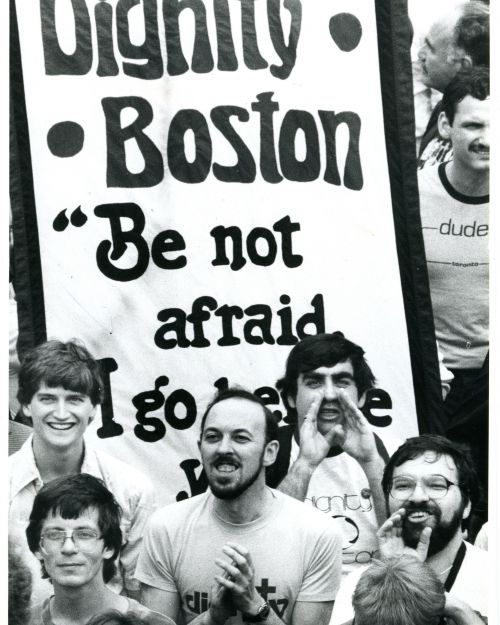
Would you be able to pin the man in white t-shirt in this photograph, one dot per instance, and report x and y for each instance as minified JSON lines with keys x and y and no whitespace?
{"x":431,"y":486}
{"x":329,"y":456}
{"x":242,"y":552}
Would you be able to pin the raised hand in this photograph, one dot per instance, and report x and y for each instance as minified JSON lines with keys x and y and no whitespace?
{"x":314,"y":447}
{"x":391,"y":542}
{"x":353,"y":433}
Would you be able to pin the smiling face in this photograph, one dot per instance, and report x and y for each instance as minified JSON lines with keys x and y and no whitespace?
{"x":233,"y":447}
{"x":324,"y":382}
{"x":469,"y":133}
{"x":443,"y":515}
{"x":73,"y":564}
{"x":60,"y":417}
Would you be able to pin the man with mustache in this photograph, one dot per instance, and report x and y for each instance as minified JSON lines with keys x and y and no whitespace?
{"x":241,"y":552}
{"x":431,"y":486}
{"x":329,"y":456}
{"x":458,"y":39}
{"x":454,"y":207}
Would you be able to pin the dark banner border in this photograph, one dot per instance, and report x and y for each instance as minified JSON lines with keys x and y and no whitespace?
{"x":394,"y":41}
{"x":26,"y":268}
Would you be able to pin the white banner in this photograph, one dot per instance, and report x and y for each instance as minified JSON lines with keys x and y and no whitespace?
{"x":211,"y":184}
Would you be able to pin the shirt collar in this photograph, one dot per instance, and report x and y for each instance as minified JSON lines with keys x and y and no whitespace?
{"x":24,"y":470}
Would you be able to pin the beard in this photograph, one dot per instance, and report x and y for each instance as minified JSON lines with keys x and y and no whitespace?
{"x":442,"y":533}
{"x":230,"y":492}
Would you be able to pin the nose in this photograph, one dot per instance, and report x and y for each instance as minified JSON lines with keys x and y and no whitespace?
{"x":225,"y":445}
{"x":330,"y":391}
{"x":68,"y":545}
{"x":422,"y":52}
{"x":61,"y":411}
{"x":419,"y":494}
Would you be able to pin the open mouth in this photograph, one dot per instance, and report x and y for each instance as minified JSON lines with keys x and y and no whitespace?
{"x":418,"y":517}
{"x":329,"y":414}
{"x":61,"y":427}
{"x":226,"y":466}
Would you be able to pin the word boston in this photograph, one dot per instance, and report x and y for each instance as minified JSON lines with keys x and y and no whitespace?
{"x":145,"y":60}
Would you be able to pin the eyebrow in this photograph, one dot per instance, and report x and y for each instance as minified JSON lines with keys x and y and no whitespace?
{"x":336,"y":376}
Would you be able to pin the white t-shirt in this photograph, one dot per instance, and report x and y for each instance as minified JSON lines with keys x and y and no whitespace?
{"x":339,"y":488}
{"x":295,"y":552}
{"x":470,"y":585}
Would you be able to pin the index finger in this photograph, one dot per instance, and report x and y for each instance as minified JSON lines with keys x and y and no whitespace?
{"x":312,"y":411}
{"x":241,"y":552}
{"x":352,"y":413}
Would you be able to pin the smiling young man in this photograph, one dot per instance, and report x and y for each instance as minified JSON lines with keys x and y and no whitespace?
{"x":74,"y":531}
{"x":329,"y":457}
{"x":60,"y":388}
{"x":430,"y":486}
{"x":242,"y":552}
{"x":454,"y":207}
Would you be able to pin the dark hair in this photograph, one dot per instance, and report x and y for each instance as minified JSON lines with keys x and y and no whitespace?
{"x":472,"y":32}
{"x":55,"y":363}
{"x":473,"y":81}
{"x":240,"y":393}
{"x":323,"y":350}
{"x":418,"y":445}
{"x":398,"y":591}
{"x":70,"y":497}
{"x":19,"y":587}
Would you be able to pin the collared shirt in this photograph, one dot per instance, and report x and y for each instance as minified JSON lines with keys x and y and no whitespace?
{"x":131,"y":488}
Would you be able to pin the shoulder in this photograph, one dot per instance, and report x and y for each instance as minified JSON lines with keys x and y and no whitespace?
{"x":118,"y":471}
{"x":40,"y":613}
{"x":139,"y":614}
{"x":174,"y":516}
{"x":475,"y":556}
{"x":428,"y":176}
{"x":305,"y":518}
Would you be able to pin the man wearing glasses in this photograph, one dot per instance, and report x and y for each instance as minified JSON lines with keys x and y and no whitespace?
{"x":430,"y":487}
{"x":60,"y":389}
{"x":74,"y":531}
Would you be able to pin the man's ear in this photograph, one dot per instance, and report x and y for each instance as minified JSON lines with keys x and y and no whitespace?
{"x":467,"y":510}
{"x":26,"y":409}
{"x":39,"y":555}
{"x":444,"y":125}
{"x":291,"y":401}
{"x":92,"y":414}
{"x":270,"y":453}
{"x":466,"y":62}
{"x":107,"y":553}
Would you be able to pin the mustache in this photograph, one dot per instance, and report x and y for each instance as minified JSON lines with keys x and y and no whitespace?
{"x":426,"y":506}
{"x":225,"y":457}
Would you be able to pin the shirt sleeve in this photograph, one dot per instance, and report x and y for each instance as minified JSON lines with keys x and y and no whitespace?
{"x":154,"y":566}
{"x":322,"y":577}
{"x":142,"y":506}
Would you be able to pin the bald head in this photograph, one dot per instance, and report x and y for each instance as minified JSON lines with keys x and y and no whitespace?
{"x":456,"y":40}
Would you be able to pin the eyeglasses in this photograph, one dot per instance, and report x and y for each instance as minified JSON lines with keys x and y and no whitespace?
{"x":436,"y":487}
{"x":82,"y":538}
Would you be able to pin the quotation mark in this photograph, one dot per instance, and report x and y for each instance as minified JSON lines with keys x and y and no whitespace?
{"x":346,"y":31}
{"x":78,"y":218}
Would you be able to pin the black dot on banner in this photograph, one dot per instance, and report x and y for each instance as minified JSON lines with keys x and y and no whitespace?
{"x":65,"y":139}
{"x":346,"y":31}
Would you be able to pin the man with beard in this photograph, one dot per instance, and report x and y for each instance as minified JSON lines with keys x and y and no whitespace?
{"x":329,"y":456}
{"x":431,"y":486}
{"x":241,"y":552}
{"x":454,"y":206}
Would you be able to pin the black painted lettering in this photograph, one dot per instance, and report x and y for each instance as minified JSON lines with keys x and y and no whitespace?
{"x":293,"y":168}
{"x":167,"y":242}
{"x":353,"y":175}
{"x":120,"y":240}
{"x":117,"y":173}
{"x":180,"y":167}
{"x":244,"y":170}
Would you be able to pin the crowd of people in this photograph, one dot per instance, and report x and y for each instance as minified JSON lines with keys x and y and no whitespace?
{"x":407,"y":540}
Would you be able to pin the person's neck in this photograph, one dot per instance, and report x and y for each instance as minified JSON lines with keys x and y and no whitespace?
{"x":57,"y":462}
{"x":467,"y":182}
{"x":442,"y":561}
{"x":76,"y":606}
{"x":249,"y":506}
